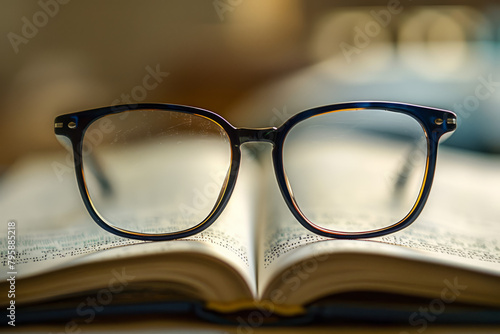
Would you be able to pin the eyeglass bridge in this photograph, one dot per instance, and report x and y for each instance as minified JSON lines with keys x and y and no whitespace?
{"x":257,"y":135}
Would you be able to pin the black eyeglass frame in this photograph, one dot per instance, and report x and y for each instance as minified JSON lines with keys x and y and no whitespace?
{"x":435,"y":123}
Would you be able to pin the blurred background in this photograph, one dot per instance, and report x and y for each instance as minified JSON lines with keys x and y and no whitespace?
{"x":255,"y":62}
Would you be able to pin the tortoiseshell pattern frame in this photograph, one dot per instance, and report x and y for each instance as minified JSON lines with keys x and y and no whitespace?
{"x":435,"y":123}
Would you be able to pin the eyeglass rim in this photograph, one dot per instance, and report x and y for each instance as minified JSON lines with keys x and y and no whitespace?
{"x":435,"y":122}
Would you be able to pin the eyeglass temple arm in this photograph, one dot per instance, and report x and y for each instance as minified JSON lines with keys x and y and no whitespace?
{"x":101,"y":177}
{"x":405,"y":170}
{"x":94,"y":166}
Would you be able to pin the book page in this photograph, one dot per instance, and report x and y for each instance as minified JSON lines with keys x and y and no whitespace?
{"x":460,"y":225}
{"x":54,"y":231}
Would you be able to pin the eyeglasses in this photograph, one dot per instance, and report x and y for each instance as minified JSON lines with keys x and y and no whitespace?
{"x":163,"y":171}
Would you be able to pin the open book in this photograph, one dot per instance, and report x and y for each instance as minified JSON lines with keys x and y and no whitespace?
{"x":256,"y":255}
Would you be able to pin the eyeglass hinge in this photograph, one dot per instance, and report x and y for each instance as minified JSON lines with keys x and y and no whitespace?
{"x":449,"y":121}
